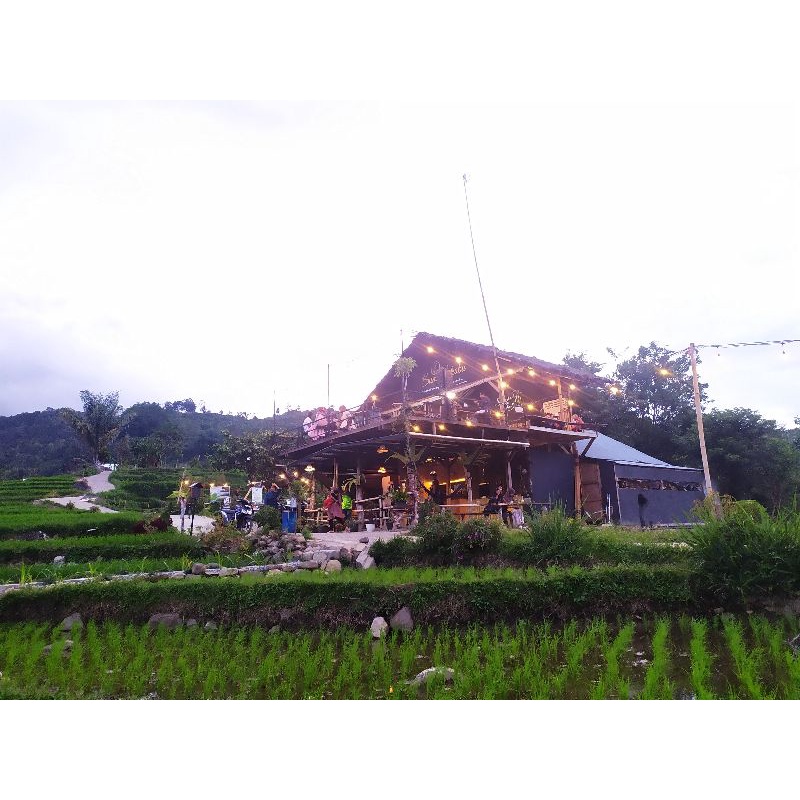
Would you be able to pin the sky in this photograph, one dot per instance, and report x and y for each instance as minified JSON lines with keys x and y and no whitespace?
{"x":239,"y":251}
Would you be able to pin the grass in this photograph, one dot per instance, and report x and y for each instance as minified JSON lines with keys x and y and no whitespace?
{"x":526,"y":661}
{"x":19,"y":519}
{"x":24,"y":491}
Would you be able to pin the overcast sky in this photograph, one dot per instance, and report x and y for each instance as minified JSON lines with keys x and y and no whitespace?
{"x":229,"y":251}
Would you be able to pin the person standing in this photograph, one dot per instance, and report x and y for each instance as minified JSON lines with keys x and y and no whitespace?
{"x":333,"y":505}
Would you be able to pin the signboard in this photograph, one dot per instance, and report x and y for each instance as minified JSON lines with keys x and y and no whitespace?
{"x":557,"y":408}
{"x":257,"y":495}
{"x":222,"y":493}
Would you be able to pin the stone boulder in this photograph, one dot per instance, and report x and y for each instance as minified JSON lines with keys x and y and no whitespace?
{"x":72,"y":622}
{"x":364,"y":540}
{"x":198,"y":569}
{"x":171,"y":621}
{"x":365,"y":560}
{"x":59,"y":560}
{"x":402,"y":620}
{"x":379,"y":627}
{"x":333,"y":566}
{"x":423,"y":676}
{"x":228,"y":572}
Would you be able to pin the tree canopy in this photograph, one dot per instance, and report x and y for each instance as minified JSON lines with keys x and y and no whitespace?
{"x":100,"y":422}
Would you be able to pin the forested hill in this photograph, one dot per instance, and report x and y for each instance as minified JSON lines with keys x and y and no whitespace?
{"x":42,"y":443}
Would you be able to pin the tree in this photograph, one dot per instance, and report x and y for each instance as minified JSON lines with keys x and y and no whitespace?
{"x":100,"y":422}
{"x":255,"y":453}
{"x":749,"y":457}
{"x":581,"y":361}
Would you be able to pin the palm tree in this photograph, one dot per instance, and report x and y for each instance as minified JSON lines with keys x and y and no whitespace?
{"x":100,"y":422}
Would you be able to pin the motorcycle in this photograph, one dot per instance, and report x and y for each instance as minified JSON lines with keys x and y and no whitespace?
{"x":241,"y":515}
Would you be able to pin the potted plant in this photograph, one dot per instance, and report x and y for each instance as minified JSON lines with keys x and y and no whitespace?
{"x":399,"y":498}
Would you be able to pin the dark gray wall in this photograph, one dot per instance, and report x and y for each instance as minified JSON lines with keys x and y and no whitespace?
{"x":663,"y":506}
{"x":553,"y":477}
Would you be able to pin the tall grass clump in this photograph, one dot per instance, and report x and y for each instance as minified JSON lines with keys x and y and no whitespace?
{"x":555,"y":538}
{"x":437,"y":534}
{"x":745,"y":554}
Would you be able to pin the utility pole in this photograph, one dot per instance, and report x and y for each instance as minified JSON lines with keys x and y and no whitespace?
{"x":703,"y":454}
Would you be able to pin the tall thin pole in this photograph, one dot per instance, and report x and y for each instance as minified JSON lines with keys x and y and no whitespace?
{"x":485,"y":310}
{"x":329,"y":385}
{"x":699,"y":413}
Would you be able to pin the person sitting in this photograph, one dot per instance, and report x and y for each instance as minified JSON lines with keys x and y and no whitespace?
{"x":575,"y":423}
{"x":346,"y":421}
{"x":320,"y":423}
{"x":308,"y":425}
{"x":494,"y":505}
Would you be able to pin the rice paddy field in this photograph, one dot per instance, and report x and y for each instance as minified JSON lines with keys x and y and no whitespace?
{"x":658,"y":658}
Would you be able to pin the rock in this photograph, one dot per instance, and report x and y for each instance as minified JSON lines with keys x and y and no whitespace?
{"x":191,"y":623}
{"x":308,"y":565}
{"x":364,"y":540}
{"x":365,"y":560}
{"x":212,"y":573}
{"x":210,"y":626}
{"x":171,"y":621}
{"x":359,"y":548}
{"x":198,"y":569}
{"x":378,"y":627}
{"x":288,"y":567}
{"x":423,"y":676}
{"x":213,"y":565}
{"x":59,"y":560}
{"x":275,"y":629}
{"x":344,"y":555}
{"x":402,"y":620}
{"x":333,"y":566}
{"x":228,"y":572}
{"x":272,"y":572}
{"x":72,"y":622}
{"x":307,"y":556}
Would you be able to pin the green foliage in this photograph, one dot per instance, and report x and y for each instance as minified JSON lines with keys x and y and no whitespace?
{"x":88,"y":548}
{"x":556,"y":538}
{"x":254,"y":453}
{"x":477,"y":536}
{"x":746,"y":554}
{"x":396,"y":552}
{"x":23,"y":491}
{"x":21,"y":520}
{"x":437,"y":534}
{"x":100,"y":422}
{"x":268,"y":517}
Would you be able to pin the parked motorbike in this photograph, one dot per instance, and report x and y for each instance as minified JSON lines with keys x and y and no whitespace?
{"x":241,"y":515}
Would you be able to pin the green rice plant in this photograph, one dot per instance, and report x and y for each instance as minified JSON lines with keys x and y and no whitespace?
{"x":657,"y":685}
{"x":611,"y":684}
{"x":746,"y":661}
{"x":700,"y":661}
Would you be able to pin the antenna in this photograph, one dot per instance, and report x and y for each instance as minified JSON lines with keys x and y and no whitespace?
{"x":483,"y":298}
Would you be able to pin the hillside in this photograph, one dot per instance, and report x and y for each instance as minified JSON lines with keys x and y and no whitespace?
{"x":41,"y":443}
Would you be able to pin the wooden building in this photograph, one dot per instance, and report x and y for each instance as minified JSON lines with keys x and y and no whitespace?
{"x":472,"y":423}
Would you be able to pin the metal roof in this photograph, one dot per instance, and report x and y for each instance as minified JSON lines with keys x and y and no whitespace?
{"x":604,"y":448}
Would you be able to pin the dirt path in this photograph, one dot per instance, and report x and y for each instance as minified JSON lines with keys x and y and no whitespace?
{"x":99,"y":483}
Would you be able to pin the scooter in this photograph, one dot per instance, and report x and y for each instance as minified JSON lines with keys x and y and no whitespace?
{"x":240,"y":515}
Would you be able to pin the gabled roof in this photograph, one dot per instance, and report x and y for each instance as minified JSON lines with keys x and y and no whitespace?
{"x":604,"y":448}
{"x":388,"y":386}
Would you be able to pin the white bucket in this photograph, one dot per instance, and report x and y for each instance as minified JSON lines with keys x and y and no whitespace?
{"x":370,"y":526}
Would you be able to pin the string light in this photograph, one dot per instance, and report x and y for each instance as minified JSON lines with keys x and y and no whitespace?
{"x":451,"y":395}
{"x":381,"y":469}
{"x":551,"y":382}
{"x":510,"y":371}
{"x":430,"y":349}
{"x":503,"y":384}
{"x":532,"y":372}
{"x":664,"y":371}
{"x":485,"y":367}
{"x":573,"y":387}
{"x":382,"y":449}
{"x":458,"y":359}
{"x":530,"y":406}
{"x":614,"y":390}
{"x":415,"y":428}
{"x":468,"y":423}
{"x":441,"y":427}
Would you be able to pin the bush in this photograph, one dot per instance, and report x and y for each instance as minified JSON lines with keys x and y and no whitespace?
{"x":396,"y":552}
{"x":477,"y":535}
{"x":746,"y":554}
{"x":437,"y":533}
{"x":268,"y":517}
{"x":555,"y":538}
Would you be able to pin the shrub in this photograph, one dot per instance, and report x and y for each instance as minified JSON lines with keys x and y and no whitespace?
{"x":268,"y":517}
{"x":395,"y":552}
{"x":436,"y":534}
{"x":555,"y":538}
{"x":746,"y":554}
{"x":477,"y":535}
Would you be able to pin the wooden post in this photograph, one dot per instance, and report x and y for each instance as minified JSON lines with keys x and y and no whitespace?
{"x":508,"y":471}
{"x":359,"y":495}
{"x":704,"y":456}
{"x":468,"y":481}
{"x":335,"y":473}
{"x":578,"y":487}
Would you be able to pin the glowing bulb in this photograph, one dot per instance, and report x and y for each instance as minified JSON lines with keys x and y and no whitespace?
{"x":510,"y":371}
{"x":485,"y":367}
{"x":573,"y":387}
{"x":531,"y":372}
{"x":663,"y":371}
{"x":374,"y":398}
{"x":296,"y":473}
{"x":458,"y":359}
{"x":530,"y":406}
{"x":551,"y":382}
{"x":451,"y":395}
{"x":441,"y":427}
{"x":381,"y":469}
{"x":614,"y":390}
{"x":429,"y":349}
{"x":570,"y":402}
{"x":416,"y":428}
{"x":503,"y":384}
{"x":469,"y":423}
{"x":498,"y":414}
{"x":282,"y":476}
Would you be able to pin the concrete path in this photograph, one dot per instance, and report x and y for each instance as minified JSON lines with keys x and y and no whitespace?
{"x":349,"y":538}
{"x":97,"y":483}
{"x":201,"y":524}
